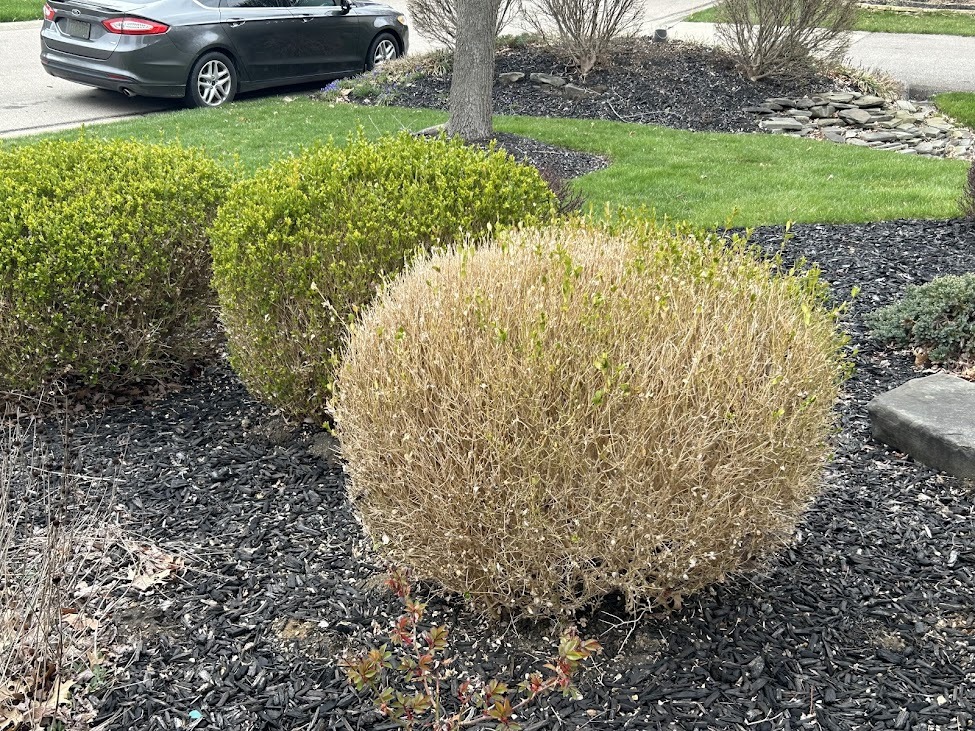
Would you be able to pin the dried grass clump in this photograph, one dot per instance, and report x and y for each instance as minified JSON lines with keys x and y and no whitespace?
{"x":575,"y":411}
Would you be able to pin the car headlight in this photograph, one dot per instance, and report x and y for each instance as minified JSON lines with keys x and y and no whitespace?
{"x":401,"y":19}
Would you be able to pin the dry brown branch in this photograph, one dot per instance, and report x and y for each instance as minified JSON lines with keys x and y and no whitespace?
{"x":584,"y":29}
{"x":438,"y":18}
{"x":783,"y":37}
{"x":65,"y":566}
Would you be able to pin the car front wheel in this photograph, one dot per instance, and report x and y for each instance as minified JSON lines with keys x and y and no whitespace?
{"x":213,"y":81}
{"x":384,"y":48}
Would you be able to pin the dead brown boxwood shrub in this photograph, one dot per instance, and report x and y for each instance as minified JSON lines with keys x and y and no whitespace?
{"x":537,"y":423}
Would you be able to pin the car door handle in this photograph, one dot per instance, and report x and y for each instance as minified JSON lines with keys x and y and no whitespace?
{"x":304,"y":18}
{"x":236,"y":22}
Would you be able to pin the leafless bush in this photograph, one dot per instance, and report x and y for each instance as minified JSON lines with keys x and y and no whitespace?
{"x":584,"y":29}
{"x":438,"y":18}
{"x":65,"y":566}
{"x":537,"y":423}
{"x":785,"y":37}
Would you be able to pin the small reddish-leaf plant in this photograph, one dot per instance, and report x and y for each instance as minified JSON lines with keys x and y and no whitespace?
{"x":408,"y":679}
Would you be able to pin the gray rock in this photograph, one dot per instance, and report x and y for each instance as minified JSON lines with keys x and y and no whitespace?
{"x":927,"y":131}
{"x":867,"y":102}
{"x":548,"y":80}
{"x":841,"y":96}
{"x":857,"y":142}
{"x":781,"y":102}
{"x":905,"y":105}
{"x":781,"y":124}
{"x":759,"y":110}
{"x":878,"y":136}
{"x":804,"y":103}
{"x":819,"y":112}
{"x":832,"y":136}
{"x":859,"y":116}
{"x":573,"y":91}
{"x":932,"y":419}
{"x":512,"y":77}
{"x":829,"y":122}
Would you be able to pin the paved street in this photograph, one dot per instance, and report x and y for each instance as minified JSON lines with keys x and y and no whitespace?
{"x":32,"y":101}
{"x":925,"y":64}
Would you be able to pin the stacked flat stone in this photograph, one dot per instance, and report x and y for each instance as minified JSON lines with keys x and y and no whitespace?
{"x":850,"y":118}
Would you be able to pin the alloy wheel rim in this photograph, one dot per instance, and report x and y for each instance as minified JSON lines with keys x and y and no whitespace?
{"x":213,"y":83}
{"x":385,"y":51}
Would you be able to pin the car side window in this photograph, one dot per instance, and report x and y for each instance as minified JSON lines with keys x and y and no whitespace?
{"x":255,"y":4}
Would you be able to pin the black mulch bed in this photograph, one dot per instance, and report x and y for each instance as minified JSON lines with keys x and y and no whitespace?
{"x":556,"y":164}
{"x":866,"y":622}
{"x":674,"y":84}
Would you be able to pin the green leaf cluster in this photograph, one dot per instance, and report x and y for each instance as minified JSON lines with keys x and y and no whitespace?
{"x":937,"y":318}
{"x":104,"y":260}
{"x":304,"y":244}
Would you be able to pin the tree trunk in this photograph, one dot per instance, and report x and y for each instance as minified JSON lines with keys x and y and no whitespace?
{"x":471,"y":87}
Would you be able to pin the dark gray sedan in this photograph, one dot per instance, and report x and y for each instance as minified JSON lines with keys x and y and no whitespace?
{"x":208,"y":50}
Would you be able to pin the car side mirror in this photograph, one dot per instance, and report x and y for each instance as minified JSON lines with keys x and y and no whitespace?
{"x":346,"y":6}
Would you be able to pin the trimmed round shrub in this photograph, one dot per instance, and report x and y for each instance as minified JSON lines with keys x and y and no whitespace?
{"x":302,"y":246}
{"x":937,"y":318}
{"x":104,"y":260}
{"x":574,"y":412}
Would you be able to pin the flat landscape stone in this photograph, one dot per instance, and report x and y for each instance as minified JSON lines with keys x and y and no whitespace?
{"x":932,"y":419}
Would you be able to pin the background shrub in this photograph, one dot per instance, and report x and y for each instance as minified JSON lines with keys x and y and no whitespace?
{"x":538,"y":423}
{"x":438,"y":18}
{"x":302,"y":246}
{"x":584,"y":29}
{"x":937,"y":318}
{"x":104,"y":260}
{"x":785,"y":37}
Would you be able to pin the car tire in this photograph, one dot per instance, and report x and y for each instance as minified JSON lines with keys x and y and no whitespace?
{"x":383,"y":48}
{"x":212,"y":82}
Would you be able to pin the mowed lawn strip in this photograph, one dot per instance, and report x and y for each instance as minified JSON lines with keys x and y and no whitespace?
{"x":12,"y":10}
{"x":882,"y":20}
{"x":958,"y":105}
{"x":703,"y":178}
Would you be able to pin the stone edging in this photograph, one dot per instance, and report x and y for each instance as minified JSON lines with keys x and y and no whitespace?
{"x":851,"y":118}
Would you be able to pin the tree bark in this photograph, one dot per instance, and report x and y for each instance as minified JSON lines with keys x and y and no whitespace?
{"x":471,"y":86}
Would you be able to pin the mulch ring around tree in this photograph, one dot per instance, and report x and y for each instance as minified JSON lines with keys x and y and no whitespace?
{"x":866,"y":621}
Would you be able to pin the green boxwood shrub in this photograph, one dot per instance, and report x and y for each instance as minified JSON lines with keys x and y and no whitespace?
{"x":104,"y":260}
{"x":303,"y":245}
{"x":937,"y":318}
{"x":578,"y":411}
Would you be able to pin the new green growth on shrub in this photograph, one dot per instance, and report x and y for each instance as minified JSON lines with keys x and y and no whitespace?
{"x":104,"y":260}
{"x":575,"y":411}
{"x":937,"y":318}
{"x":302,"y":246}
{"x":409,"y":677}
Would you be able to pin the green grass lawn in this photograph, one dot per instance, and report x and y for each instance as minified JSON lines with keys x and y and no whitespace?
{"x":703,"y":178}
{"x":943,"y":22}
{"x":959,"y":106}
{"x":11,"y":10}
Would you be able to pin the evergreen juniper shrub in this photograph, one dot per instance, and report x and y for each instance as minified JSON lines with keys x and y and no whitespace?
{"x":937,"y":318}
{"x":104,"y":260}
{"x":303,"y":245}
{"x":574,"y":411}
